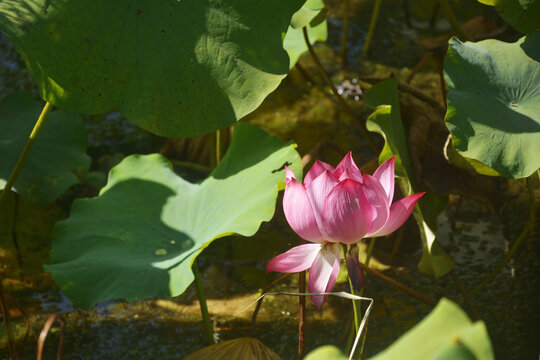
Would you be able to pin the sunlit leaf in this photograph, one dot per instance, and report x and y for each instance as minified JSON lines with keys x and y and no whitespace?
{"x":471,"y":165}
{"x":294,"y":42}
{"x":310,"y":14}
{"x":386,"y":120}
{"x":58,"y":159}
{"x":326,"y":352}
{"x":445,"y":334}
{"x":176,"y":68}
{"x":139,"y":237}
{"x":494,"y":103}
{"x":245,"y":348}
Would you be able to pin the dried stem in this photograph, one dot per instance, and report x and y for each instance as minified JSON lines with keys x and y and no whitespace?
{"x":7,"y":320}
{"x":60,"y":341}
{"x":43,"y":335}
{"x":218,"y":147}
{"x":399,"y":285}
{"x":259,"y":303}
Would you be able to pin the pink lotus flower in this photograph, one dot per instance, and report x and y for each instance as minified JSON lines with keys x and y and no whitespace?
{"x":337,"y":206}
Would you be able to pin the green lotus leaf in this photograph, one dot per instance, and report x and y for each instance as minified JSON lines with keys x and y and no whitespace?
{"x":524,"y":15}
{"x":311,"y":14}
{"x":295,"y":44}
{"x":176,"y":68}
{"x":494,"y":103}
{"x":386,"y":120}
{"x":445,"y":334}
{"x":140,"y":236}
{"x":471,"y":165}
{"x":326,"y":352}
{"x":58,"y":159}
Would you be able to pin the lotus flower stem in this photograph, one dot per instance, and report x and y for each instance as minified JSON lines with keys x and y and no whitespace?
{"x":371,"y":246}
{"x":301,"y":314}
{"x":372,"y":24}
{"x":529,"y":227}
{"x":202,"y":303}
{"x":338,"y":97}
{"x":26,"y":151}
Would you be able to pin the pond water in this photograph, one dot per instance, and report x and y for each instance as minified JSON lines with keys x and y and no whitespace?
{"x":233,"y":267}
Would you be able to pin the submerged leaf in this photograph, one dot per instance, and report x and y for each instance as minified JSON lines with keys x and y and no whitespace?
{"x":139,"y":237}
{"x":176,"y":68}
{"x":58,"y":159}
{"x":494,"y":103}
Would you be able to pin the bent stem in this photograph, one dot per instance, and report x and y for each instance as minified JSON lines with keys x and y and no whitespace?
{"x":338,"y":97}
{"x":407,"y":290}
{"x":202,"y":303}
{"x":528,"y":228}
{"x":372,"y":24}
{"x":259,"y":302}
{"x":26,"y":151}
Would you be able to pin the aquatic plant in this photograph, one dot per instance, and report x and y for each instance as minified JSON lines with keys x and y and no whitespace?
{"x":337,"y":206}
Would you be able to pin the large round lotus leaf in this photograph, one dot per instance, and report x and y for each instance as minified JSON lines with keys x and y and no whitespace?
{"x":177,"y":68}
{"x":445,"y":334}
{"x":58,"y":158}
{"x":494,"y":103}
{"x":139,"y":237}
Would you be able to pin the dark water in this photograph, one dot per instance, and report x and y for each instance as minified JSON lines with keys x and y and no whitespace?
{"x":234,"y":267}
